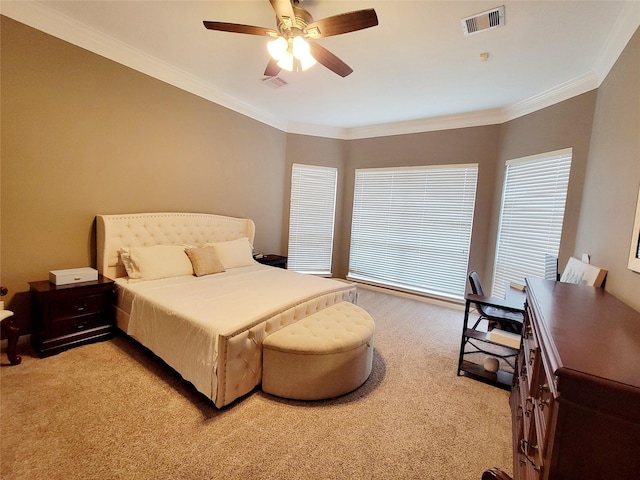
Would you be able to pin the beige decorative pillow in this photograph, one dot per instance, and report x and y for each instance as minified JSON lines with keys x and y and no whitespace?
{"x":234,"y":253}
{"x":204,"y":260}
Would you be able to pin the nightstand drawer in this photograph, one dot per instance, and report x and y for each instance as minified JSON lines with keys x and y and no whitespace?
{"x":73,"y":307}
{"x":70,"y":325}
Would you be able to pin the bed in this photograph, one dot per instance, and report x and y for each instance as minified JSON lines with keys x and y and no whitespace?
{"x":209,"y":328}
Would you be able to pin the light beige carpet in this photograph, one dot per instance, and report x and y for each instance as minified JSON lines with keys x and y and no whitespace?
{"x":111,"y":410}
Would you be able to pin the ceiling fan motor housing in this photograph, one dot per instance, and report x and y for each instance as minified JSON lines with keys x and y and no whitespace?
{"x":303,"y":18}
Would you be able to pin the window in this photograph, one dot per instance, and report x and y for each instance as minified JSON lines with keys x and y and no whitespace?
{"x":311,"y":219}
{"x":411,"y":227}
{"x":533,"y":201}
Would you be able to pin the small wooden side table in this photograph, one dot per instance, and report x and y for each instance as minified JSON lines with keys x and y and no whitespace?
{"x":273,"y":260}
{"x":66,"y":316}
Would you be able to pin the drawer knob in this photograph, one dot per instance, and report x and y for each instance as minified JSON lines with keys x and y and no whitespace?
{"x":80,"y":307}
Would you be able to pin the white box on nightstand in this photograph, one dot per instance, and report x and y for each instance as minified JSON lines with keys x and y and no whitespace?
{"x":73,"y":275}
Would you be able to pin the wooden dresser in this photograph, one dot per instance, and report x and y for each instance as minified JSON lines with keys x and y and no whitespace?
{"x":575,"y":401}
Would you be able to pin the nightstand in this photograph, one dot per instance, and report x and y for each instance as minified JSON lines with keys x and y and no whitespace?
{"x":273,"y":260}
{"x":65,"y":316}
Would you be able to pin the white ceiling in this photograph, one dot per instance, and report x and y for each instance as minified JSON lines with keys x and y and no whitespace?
{"x":415,"y":71}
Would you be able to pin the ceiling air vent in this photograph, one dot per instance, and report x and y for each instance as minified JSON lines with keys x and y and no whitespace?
{"x":493,"y":18}
{"x":274,"y":82}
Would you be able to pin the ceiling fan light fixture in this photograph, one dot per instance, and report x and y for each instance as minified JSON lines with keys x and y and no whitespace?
{"x":302,"y":51}
{"x":300,"y":47}
{"x":286,"y":61}
{"x":307,"y":62}
{"x":292,"y":54}
{"x":277,"y":48}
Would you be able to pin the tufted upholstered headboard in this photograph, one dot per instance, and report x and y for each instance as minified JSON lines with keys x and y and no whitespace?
{"x":147,"y":229}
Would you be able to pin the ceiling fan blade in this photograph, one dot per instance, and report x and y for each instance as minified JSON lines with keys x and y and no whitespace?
{"x":284,"y":11}
{"x":272,"y":68}
{"x":343,"y":23}
{"x":329,"y":60}
{"x":238,"y":28}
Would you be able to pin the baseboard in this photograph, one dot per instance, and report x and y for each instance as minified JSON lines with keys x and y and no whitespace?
{"x":412,"y":296}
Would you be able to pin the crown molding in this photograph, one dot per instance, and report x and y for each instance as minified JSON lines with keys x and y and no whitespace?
{"x":626,"y":25}
{"x":38,"y":16}
{"x":445,"y":122}
{"x":572,"y":88}
{"x":317,"y":130}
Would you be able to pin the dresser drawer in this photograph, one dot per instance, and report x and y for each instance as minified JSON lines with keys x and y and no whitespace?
{"x":61,"y":310}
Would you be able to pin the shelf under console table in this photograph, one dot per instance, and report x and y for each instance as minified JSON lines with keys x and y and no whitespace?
{"x":575,"y":400}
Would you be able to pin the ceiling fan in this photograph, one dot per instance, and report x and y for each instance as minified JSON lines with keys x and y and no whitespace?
{"x":292,"y":47}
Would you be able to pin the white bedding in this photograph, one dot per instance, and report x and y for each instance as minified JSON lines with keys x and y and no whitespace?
{"x":210,"y":328}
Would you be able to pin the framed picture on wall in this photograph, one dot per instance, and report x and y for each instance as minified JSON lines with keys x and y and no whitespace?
{"x":634,"y":251}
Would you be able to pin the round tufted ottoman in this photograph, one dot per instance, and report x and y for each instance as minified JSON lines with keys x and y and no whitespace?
{"x":324,"y":355}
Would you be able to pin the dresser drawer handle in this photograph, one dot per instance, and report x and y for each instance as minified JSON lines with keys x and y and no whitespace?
{"x":544,"y":388}
{"x":80,"y":325}
{"x":524,"y":446}
{"x":528,"y":406}
{"x":80,"y":307}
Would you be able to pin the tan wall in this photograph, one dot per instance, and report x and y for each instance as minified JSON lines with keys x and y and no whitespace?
{"x":613,"y":177}
{"x":83,"y":135}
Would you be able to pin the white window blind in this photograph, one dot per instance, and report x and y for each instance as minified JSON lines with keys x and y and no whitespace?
{"x":311,"y":220}
{"x":533,"y":201}
{"x":411,"y":227}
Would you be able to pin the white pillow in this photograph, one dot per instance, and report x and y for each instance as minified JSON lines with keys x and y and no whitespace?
{"x":158,"y":261}
{"x":234,"y":253}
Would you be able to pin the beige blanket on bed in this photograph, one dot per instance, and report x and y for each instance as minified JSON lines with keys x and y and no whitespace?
{"x":183,"y":319}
